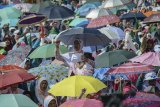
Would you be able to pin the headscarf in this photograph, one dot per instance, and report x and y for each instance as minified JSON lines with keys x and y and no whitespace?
{"x":39,"y":93}
{"x":48,"y":99}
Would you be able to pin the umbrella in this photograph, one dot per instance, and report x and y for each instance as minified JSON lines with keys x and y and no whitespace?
{"x":2,"y":56}
{"x":15,"y":57}
{"x":152,"y":19}
{"x":93,"y":1}
{"x":103,"y":21}
{"x":31,"y":19}
{"x":56,"y":12}
{"x":118,"y":31}
{"x":118,"y":5}
{"x":7,"y":68}
{"x":133,"y":15}
{"x":7,"y":16}
{"x":149,"y":13}
{"x":98,"y":12}
{"x":12,"y":78}
{"x":131,"y":68}
{"x":5,"y":6}
{"x":84,"y":34}
{"x":46,"y":51}
{"x":126,"y":53}
{"x":79,"y":22}
{"x":143,"y":100}
{"x":108,"y":59}
{"x":23,"y":7}
{"x":37,"y":7}
{"x":82,"y":103}
{"x":16,"y":100}
{"x":73,"y":86}
{"x":86,"y":8}
{"x":150,"y":58}
{"x":52,"y":72}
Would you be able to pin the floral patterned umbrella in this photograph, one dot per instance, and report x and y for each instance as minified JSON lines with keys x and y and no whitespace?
{"x":15,"y":57}
{"x":103,"y":21}
{"x":53,"y":73}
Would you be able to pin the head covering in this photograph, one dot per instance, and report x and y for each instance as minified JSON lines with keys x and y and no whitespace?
{"x":150,"y":76}
{"x":38,"y":92}
{"x":16,"y":32}
{"x":47,"y":100}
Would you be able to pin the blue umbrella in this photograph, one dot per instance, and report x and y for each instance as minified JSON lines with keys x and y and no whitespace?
{"x":4,"y":6}
{"x":85,"y":9}
{"x":133,"y":15}
{"x":79,"y":22}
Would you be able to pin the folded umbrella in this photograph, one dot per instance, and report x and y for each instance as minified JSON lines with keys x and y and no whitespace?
{"x":12,"y":78}
{"x":103,"y":21}
{"x":82,"y":103}
{"x":72,"y":86}
{"x":16,"y":100}
{"x":90,"y":37}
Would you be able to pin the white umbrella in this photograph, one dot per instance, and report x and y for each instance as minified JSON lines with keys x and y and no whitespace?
{"x":98,"y":13}
{"x":24,"y":7}
{"x":115,"y":3}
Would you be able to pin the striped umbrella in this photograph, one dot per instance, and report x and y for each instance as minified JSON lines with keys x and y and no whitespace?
{"x":131,"y":68}
{"x":103,"y":21}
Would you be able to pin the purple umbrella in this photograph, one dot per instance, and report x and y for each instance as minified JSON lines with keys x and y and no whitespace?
{"x":31,"y":19}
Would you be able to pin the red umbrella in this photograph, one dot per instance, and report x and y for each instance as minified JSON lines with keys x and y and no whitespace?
{"x":2,"y":56}
{"x":131,"y":68}
{"x":102,"y":21}
{"x":7,"y":68}
{"x":152,"y":19}
{"x":12,"y":78}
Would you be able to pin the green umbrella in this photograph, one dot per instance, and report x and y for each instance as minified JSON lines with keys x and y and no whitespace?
{"x":109,"y":59}
{"x":9,"y":15}
{"x":126,"y":53}
{"x":46,"y":51}
{"x":16,"y":100}
{"x":36,"y":8}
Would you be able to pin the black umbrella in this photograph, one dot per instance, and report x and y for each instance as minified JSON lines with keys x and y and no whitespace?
{"x":57,"y":12}
{"x":133,"y":15}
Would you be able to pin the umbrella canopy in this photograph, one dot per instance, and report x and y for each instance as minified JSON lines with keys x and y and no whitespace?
{"x":5,"y":6}
{"x":16,"y":100}
{"x":79,"y":22}
{"x":118,"y":5}
{"x":108,"y":59}
{"x":12,"y":78}
{"x":152,"y":19}
{"x":84,"y":34}
{"x":7,"y":16}
{"x":37,"y":7}
{"x":150,"y":58}
{"x":126,"y":53}
{"x":7,"y":68}
{"x":56,"y":12}
{"x":2,"y":56}
{"x":92,"y":1}
{"x":31,"y":19}
{"x":98,"y":12}
{"x":86,"y":8}
{"x":23,"y":7}
{"x":46,"y":51}
{"x":82,"y":103}
{"x":15,"y":57}
{"x":52,"y":72}
{"x":131,"y":68}
{"x":149,"y":13}
{"x":74,"y":85}
{"x":118,"y":31}
{"x":103,"y":21}
{"x":133,"y":15}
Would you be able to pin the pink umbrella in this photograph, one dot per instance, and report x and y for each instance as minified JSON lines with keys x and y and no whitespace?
{"x":150,"y":58}
{"x":131,"y":68}
{"x":82,"y":103}
{"x":102,"y":21}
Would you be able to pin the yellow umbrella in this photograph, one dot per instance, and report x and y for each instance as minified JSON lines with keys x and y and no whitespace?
{"x":73,"y":86}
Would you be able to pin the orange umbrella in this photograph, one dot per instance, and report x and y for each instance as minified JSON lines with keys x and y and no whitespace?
{"x":149,"y":13}
{"x":12,"y":78}
{"x":7,"y":68}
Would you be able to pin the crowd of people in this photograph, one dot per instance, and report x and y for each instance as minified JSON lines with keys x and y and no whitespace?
{"x":139,"y":38}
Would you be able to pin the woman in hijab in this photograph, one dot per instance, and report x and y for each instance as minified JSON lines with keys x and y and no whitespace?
{"x":41,"y":90}
{"x":50,"y":101}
